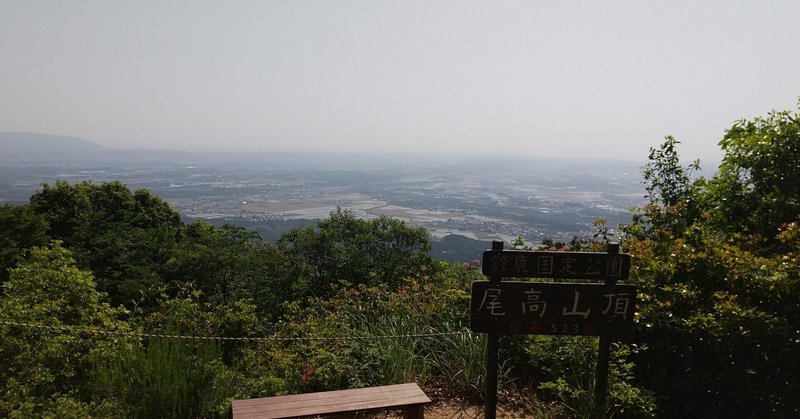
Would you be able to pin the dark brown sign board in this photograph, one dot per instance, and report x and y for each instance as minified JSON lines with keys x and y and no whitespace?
{"x":554,"y":308}
{"x":513,"y":307}
{"x":574,"y":265}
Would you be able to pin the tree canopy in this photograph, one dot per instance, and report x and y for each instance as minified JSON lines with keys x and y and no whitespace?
{"x":717,"y":265}
{"x":343,"y":247}
{"x":45,"y":371}
{"x":757,"y":188}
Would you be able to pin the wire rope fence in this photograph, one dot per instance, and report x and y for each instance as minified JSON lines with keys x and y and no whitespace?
{"x":89,"y":332}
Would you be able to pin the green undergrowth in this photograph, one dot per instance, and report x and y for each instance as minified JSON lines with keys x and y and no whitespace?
{"x":420,"y":332}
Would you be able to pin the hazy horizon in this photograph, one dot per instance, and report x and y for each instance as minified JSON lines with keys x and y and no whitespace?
{"x":23,"y":151}
{"x":591,"y":80}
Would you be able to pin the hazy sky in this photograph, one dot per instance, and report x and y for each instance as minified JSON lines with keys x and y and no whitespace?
{"x":567,"y":78}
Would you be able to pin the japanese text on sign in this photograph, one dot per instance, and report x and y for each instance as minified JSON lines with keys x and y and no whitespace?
{"x":577,"y":265}
{"x":552,"y":308}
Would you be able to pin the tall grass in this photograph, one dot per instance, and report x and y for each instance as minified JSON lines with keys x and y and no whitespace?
{"x":164,"y":378}
{"x":401,"y":359}
{"x":451,"y":357}
{"x":459,"y":360}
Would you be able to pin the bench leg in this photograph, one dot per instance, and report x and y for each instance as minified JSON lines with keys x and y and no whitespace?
{"x":415,"y":411}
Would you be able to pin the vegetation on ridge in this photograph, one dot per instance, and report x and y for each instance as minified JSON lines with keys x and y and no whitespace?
{"x":353,"y":302}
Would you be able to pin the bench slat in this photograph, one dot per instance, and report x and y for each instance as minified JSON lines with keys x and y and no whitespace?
{"x":334,"y":405}
{"x":332,"y":397}
{"x":391,"y":389}
{"x":338,"y":403}
{"x":327,"y":402}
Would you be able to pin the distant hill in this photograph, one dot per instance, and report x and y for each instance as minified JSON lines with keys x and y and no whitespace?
{"x":21,"y":143}
{"x":455,"y":248}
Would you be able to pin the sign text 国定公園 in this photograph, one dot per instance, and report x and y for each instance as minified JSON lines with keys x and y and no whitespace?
{"x":575,"y":265}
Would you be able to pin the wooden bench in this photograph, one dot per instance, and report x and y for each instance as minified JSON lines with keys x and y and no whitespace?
{"x":408,"y":397}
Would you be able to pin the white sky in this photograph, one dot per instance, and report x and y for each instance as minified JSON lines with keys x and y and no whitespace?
{"x":560,"y":78}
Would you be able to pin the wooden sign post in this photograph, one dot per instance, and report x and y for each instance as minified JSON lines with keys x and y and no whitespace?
{"x":552,"y":308}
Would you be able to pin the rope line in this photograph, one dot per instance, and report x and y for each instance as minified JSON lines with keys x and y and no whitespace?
{"x":79,"y":330}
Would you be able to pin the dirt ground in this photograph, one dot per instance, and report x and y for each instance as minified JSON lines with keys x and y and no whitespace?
{"x":448,"y":410}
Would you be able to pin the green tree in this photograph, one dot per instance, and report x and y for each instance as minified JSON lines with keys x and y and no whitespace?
{"x":20,"y":229}
{"x":45,"y":370}
{"x":343,"y":247}
{"x":666,"y":181}
{"x":125,"y":238}
{"x":216,"y":259}
{"x":272,"y":281}
{"x":230,"y":264}
{"x":757,"y":188}
{"x":672,"y":194}
{"x":718,"y":300}
{"x":67,"y":207}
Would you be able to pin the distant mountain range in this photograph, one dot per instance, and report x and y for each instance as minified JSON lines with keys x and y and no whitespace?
{"x":34,"y":149}
{"x":27,"y":148}
{"x":28,"y":142}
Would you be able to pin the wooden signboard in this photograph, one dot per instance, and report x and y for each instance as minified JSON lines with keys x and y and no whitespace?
{"x":551,"y":308}
{"x":575,"y":265}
